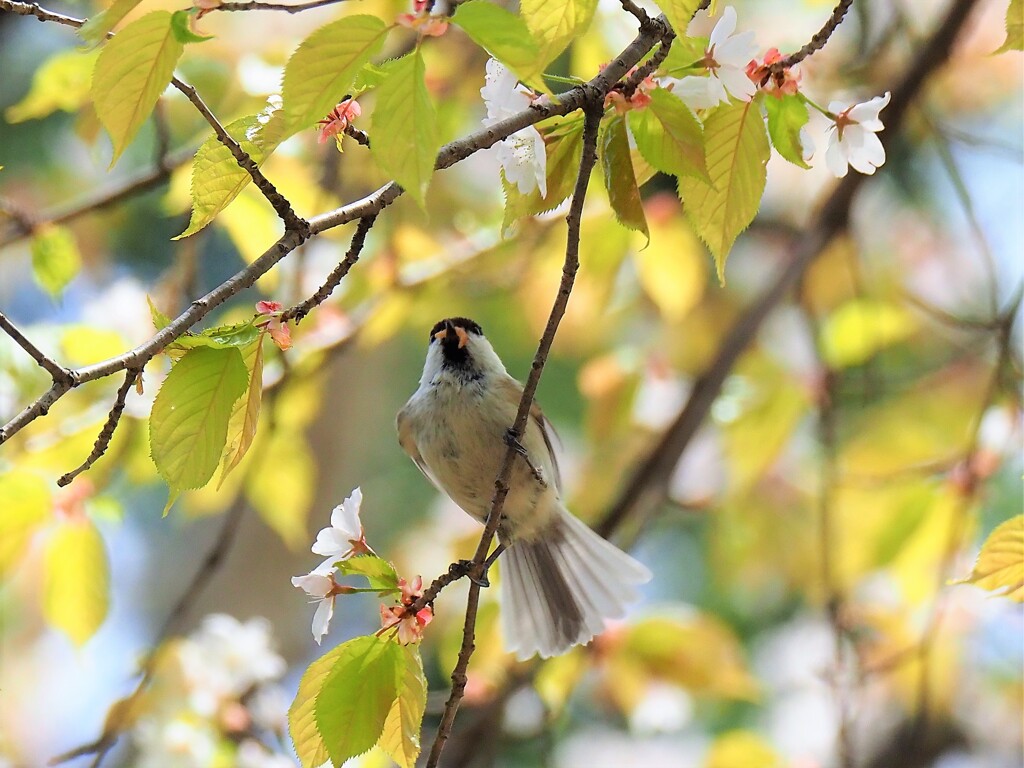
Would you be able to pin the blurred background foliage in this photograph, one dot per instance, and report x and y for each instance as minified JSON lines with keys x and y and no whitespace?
{"x":859,"y":452}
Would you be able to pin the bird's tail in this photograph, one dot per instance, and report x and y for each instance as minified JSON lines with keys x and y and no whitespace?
{"x":557,"y":591}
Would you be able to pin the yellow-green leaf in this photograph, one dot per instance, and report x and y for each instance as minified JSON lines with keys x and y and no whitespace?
{"x":619,"y":177}
{"x":1014,"y":27}
{"x":189,"y":423}
{"x":735,"y":152}
{"x":76,"y":580}
{"x":55,"y":258}
{"x":26,"y":503}
{"x":671,"y":269}
{"x":1000,"y":564}
{"x":404,"y":129}
{"x":217,"y":178}
{"x":132,"y":71}
{"x":555,"y":23}
{"x":323,"y":68}
{"x":96,"y":28}
{"x":400,"y":737}
{"x":860,"y":328}
{"x":742,"y":749}
{"x":245,"y":415}
{"x":309,"y":746}
{"x":668,"y":136}
{"x":679,"y":13}
{"x":61,"y":82}
{"x":787,"y":115}
{"x":503,"y":35}
{"x":281,"y":484}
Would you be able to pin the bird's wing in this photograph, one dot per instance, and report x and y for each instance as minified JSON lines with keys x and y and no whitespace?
{"x":547,"y":429}
{"x":408,"y":443}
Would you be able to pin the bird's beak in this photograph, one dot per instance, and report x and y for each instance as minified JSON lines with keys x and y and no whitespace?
{"x":460,"y":333}
{"x":463,"y":336}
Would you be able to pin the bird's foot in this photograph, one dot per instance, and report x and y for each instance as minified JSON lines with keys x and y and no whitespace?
{"x":513,"y":442}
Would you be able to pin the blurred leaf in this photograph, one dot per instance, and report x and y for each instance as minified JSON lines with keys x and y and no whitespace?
{"x":280,"y":484}
{"x":787,"y":114}
{"x":558,"y":678}
{"x":619,"y":178}
{"x":1014,"y":27}
{"x":1000,"y":563}
{"x":503,"y":35}
{"x":86,"y":344}
{"x":189,"y":423}
{"x":76,"y":580}
{"x":405,"y":131}
{"x":669,"y":137}
{"x":554,"y":24}
{"x":309,"y":745}
{"x":26,"y":501}
{"x":96,"y":27}
{"x":736,"y":152}
{"x":742,"y":749}
{"x":379,"y":573}
{"x":358,"y":694}
{"x":132,"y":71}
{"x":321,"y":71}
{"x":61,"y":82}
{"x":400,"y":737}
{"x":860,"y":328}
{"x":671,"y":269}
{"x":245,"y":414}
{"x":55,"y":258}
{"x":679,"y":13}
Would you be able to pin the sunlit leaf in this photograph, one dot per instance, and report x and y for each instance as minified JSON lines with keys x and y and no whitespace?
{"x":668,"y":136}
{"x":736,"y":151}
{"x":1000,"y":564}
{"x":245,"y":414}
{"x":554,"y":24}
{"x":400,"y":737}
{"x":55,"y":258}
{"x":322,"y":69}
{"x":787,"y":114}
{"x":679,"y":13}
{"x":503,"y":35}
{"x":76,"y":580}
{"x":619,"y":178}
{"x":405,"y":130}
{"x":742,"y":749}
{"x":60,"y":82}
{"x":26,"y":504}
{"x":97,"y":26}
{"x":1014,"y":27}
{"x":87,"y":344}
{"x":132,"y":71}
{"x":181,"y":26}
{"x":672,"y":269}
{"x":358,"y":694}
{"x":862,"y":327}
{"x":281,"y":483}
{"x":160,"y":320}
{"x":306,"y":739}
{"x":379,"y":573}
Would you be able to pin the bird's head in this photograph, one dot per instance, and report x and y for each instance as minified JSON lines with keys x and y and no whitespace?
{"x":459,"y":352}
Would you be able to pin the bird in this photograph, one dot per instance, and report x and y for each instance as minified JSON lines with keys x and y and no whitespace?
{"x":560,"y":580}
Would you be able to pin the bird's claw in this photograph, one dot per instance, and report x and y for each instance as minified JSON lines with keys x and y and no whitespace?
{"x":513,"y":442}
{"x":467,"y":569}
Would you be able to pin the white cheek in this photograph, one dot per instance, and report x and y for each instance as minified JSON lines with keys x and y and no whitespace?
{"x":432,"y":366}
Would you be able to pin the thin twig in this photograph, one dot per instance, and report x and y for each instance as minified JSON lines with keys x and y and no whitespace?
{"x":255,"y":5}
{"x":57,"y":372}
{"x":817,"y":42}
{"x":632,"y":8}
{"x":593,"y":111}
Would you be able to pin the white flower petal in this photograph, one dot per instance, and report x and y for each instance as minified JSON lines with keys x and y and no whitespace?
{"x":322,"y":619}
{"x":696,"y":92}
{"x":737,"y":83}
{"x":835,"y":157}
{"x":702,"y":24}
{"x":725,"y":26}
{"x":313,"y":584}
{"x":866,"y":114}
{"x":331,"y":541}
{"x":345,"y":516}
{"x":736,"y":51}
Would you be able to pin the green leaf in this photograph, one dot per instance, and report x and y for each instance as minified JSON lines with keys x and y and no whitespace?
{"x":217,"y":178}
{"x":96,"y":28}
{"x":26,"y":501}
{"x":189,"y":423}
{"x":787,"y":114}
{"x":669,"y":137}
{"x":619,"y":178}
{"x":860,"y":328}
{"x":323,"y":68}
{"x":358,"y":695}
{"x":61,"y":82}
{"x":404,"y":128}
{"x":679,"y":13}
{"x":503,"y":35}
{"x":1014,"y":27}
{"x":160,"y":320}
{"x":245,"y":414}
{"x":132,"y":71}
{"x":1000,"y":564}
{"x":182,"y":31}
{"x":400,"y":738}
{"x":309,"y":746}
{"x":736,"y":151}
{"x":76,"y":580}
{"x":555,"y":23}
{"x":55,"y":258}
{"x":281,"y":483}
{"x":379,"y":573}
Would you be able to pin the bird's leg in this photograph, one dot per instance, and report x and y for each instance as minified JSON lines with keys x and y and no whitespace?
{"x":483,"y":581}
{"x":512,"y":442}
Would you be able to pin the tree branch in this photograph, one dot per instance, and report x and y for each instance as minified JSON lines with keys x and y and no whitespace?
{"x":256,"y":5}
{"x":817,"y":42}
{"x":57,"y":372}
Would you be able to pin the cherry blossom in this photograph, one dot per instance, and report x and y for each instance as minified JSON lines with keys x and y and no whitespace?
{"x":778,"y":84}
{"x":337,"y":120}
{"x":324,"y":588}
{"x":421,"y":20}
{"x":725,"y":59}
{"x":410,"y":626}
{"x":344,"y":538}
{"x":280,"y":333}
{"x":852,"y":139}
{"x":638,"y":100}
{"x":522,"y":154}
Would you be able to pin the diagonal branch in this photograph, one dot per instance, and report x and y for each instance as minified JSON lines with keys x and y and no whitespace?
{"x":817,"y":42}
{"x":57,"y":372}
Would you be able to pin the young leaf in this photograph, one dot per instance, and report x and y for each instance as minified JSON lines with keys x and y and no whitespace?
{"x":404,"y":128}
{"x":1000,"y":563}
{"x":1014,"y":28}
{"x":245,"y":414}
{"x":132,"y":71}
{"x":26,"y":505}
{"x":324,"y":66}
{"x":76,"y":580}
{"x":96,"y":28}
{"x":379,"y":573}
{"x":55,"y":258}
{"x":309,"y":745}
{"x":668,"y":136}
{"x":786,"y":116}
{"x":736,"y":151}
{"x":357,"y":696}
{"x":679,"y":13}
{"x":555,"y":23}
{"x":619,"y":178}
{"x":400,"y":738}
{"x":160,"y":320}
{"x":217,"y":178}
{"x":61,"y":82}
{"x":182,"y":31}
{"x":503,"y":35}
{"x":189,"y":422}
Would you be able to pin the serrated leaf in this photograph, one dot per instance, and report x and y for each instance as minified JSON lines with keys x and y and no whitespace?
{"x":306,"y":739}
{"x":281,"y":484}
{"x":503,"y":35}
{"x":132,"y":71}
{"x":735,"y":151}
{"x":160,"y":320}
{"x":55,"y":258}
{"x":189,"y":423}
{"x":61,"y":82}
{"x":26,"y":504}
{"x":245,"y":414}
{"x":679,"y":13}
{"x":379,"y":573}
{"x":1000,"y":564}
{"x":555,"y":23}
{"x":357,"y":696}
{"x":404,"y":128}
{"x":97,"y":26}
{"x":786,"y":116}
{"x":180,"y":25}
{"x":669,"y":137}
{"x":217,"y":178}
{"x":400,"y":738}
{"x":619,"y":178}
{"x":1014,"y":27}
{"x":324,"y":66}
{"x":76,"y":580}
